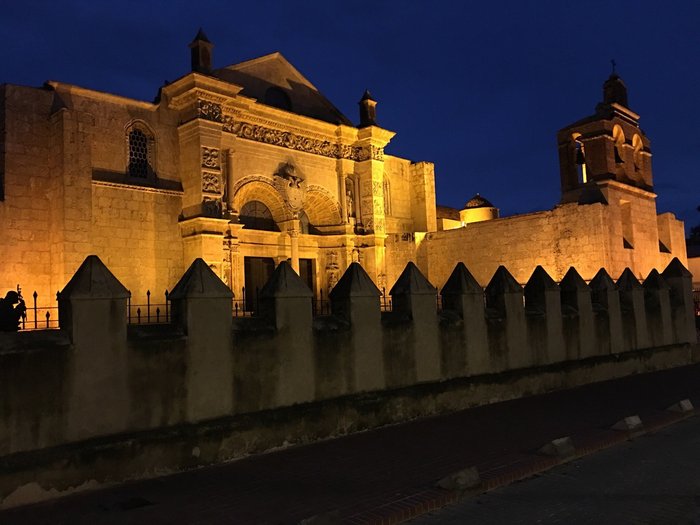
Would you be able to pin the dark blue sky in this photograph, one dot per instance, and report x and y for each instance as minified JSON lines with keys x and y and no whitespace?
{"x":478,"y":88}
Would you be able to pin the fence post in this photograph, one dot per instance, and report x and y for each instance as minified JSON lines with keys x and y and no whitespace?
{"x":36,"y":320}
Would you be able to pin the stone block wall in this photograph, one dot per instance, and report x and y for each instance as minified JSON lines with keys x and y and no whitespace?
{"x":93,"y":378}
{"x":142,"y":222}
{"x":585,"y":236}
{"x":29,"y":193}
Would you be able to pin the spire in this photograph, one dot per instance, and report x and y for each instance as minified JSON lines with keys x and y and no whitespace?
{"x":201,"y":53}
{"x":201,"y":36}
{"x":368,"y":110}
{"x":614,"y":89}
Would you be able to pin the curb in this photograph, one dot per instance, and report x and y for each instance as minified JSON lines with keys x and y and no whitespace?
{"x":430,"y":499}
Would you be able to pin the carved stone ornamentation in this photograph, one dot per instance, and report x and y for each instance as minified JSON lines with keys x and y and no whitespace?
{"x":332,"y":269}
{"x":377,"y":153}
{"x":291,"y":185}
{"x":289,"y":140}
{"x":209,"y":110}
{"x":211,"y":183}
{"x":210,"y":158}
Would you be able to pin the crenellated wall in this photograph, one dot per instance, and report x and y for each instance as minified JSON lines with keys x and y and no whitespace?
{"x":140,"y":398}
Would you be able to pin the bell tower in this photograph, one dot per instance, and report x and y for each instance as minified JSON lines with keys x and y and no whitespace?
{"x":606,"y":146}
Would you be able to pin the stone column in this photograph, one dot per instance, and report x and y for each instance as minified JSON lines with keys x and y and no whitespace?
{"x":201,"y":305}
{"x":507,"y":328}
{"x":605,"y":299}
{"x":463,"y":295}
{"x":682,"y":308}
{"x":414,"y":298}
{"x":229,"y":180}
{"x":544,"y":320}
{"x":356,"y":299}
{"x":633,"y":311}
{"x":92,"y":308}
{"x":579,"y":328}
{"x":658,"y":309}
{"x":370,"y":174}
{"x":294,"y":238}
{"x":286,"y":301}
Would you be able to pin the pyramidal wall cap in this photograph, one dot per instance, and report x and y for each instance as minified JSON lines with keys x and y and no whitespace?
{"x":628,"y":281}
{"x":654,"y":281}
{"x":503,"y":282}
{"x":285,"y":282}
{"x":460,"y":282}
{"x":573,"y":281}
{"x":200,"y":281}
{"x":93,"y":280}
{"x":602,"y":281}
{"x":540,"y":280}
{"x":355,"y":283}
{"x":412,"y":282}
{"x":676,"y":269}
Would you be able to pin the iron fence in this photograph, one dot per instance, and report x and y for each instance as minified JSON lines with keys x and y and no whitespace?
{"x":149,"y":312}
{"x":38,"y":317}
{"x":385,"y":301}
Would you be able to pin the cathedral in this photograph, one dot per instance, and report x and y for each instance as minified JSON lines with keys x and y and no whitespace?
{"x":249,"y":165}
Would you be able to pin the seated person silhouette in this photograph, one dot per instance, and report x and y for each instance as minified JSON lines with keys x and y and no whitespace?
{"x":10,"y":314}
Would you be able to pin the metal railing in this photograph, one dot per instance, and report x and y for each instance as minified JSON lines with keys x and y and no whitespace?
{"x":149,"y":312}
{"x":39,"y":317}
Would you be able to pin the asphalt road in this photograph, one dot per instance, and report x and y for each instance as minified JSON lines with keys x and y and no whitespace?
{"x":654,"y":479}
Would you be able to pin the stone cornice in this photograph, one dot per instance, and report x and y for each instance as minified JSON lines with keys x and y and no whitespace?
{"x":60,"y":87}
{"x":135,"y":187}
{"x":194,"y":86}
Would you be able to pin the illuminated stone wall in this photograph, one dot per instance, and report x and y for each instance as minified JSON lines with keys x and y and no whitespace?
{"x":29,"y":211}
{"x":585,"y":236}
{"x":135,"y":231}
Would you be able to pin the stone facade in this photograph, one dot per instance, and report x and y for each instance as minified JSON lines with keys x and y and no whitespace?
{"x":249,"y":165}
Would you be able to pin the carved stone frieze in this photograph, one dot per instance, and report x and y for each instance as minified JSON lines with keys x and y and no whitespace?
{"x":211,"y":182}
{"x":289,"y":140}
{"x":376,"y":153}
{"x":210,"y":158}
{"x":209,"y":110}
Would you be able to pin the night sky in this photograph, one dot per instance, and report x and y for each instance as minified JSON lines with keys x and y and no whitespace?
{"x":478,"y":88}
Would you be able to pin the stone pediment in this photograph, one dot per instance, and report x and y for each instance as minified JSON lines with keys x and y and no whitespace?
{"x":259,"y":75}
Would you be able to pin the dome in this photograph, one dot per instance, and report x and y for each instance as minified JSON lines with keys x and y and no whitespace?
{"x":477,"y":201}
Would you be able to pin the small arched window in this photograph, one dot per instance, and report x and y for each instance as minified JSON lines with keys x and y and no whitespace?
{"x":638,"y":147}
{"x":140,"y":151}
{"x":277,"y":97}
{"x":256,"y":216}
{"x":619,"y":139}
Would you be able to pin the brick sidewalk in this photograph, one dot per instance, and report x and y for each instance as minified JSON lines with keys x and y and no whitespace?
{"x":385,"y":474}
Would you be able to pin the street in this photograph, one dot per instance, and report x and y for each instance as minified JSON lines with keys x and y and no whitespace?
{"x":653,"y":479}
